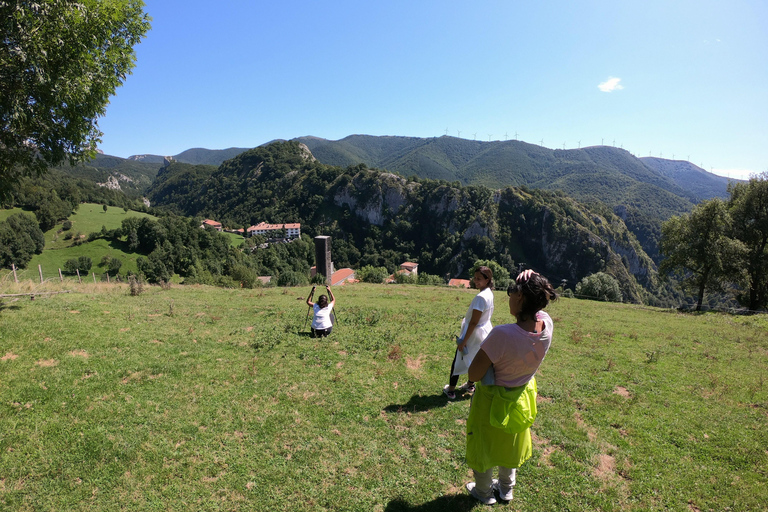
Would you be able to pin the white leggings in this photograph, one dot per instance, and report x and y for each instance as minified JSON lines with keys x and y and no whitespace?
{"x":484,"y":481}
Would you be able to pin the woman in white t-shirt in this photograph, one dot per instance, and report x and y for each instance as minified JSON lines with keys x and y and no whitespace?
{"x":322,"y":320}
{"x":474,"y":328}
{"x":514,"y":352}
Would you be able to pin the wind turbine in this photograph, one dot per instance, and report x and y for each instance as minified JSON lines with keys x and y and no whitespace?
{"x":506,"y":136}
{"x":563,"y":146}
{"x":515,"y":135}
{"x":579,"y":144}
{"x":542,"y":143}
{"x":446,"y":131}
{"x":459,"y":132}
{"x":489,"y":137}
{"x":474,"y":136}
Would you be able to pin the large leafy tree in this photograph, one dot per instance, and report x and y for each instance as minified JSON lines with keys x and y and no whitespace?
{"x":697,"y":247}
{"x":60,"y":61}
{"x":749,"y":208}
{"x":20,"y":239}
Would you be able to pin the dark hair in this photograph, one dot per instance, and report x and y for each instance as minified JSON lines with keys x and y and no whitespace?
{"x":537,"y":293}
{"x":487,"y":273}
{"x":322,"y":301}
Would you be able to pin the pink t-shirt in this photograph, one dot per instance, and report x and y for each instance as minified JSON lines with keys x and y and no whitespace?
{"x":516,"y":353}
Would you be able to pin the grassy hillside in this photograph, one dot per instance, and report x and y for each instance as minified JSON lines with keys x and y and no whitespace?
{"x":199,"y":398}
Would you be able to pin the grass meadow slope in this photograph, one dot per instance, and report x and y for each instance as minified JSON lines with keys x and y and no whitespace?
{"x":199,"y":398}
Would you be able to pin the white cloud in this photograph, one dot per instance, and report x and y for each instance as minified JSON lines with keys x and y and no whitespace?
{"x":610,"y":85}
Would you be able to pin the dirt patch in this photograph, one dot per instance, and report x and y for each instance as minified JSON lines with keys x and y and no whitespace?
{"x":80,"y":353}
{"x":74,"y":311}
{"x":414,"y":364}
{"x":622,"y":391}
{"x":606,"y":467}
{"x":543,"y":399}
{"x":46,"y":363}
{"x":10,"y":356}
{"x":546,"y":449}
{"x":156,"y":342}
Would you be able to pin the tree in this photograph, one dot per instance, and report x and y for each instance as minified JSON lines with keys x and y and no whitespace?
{"x":500,"y":274}
{"x":60,"y":61}
{"x":600,"y":286}
{"x":20,"y":238}
{"x":749,"y":208}
{"x":697,"y":248}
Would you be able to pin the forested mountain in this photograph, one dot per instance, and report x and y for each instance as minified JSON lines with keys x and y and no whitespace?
{"x":130,"y":177}
{"x":700,"y":183}
{"x":195,"y":156}
{"x":381,"y":219}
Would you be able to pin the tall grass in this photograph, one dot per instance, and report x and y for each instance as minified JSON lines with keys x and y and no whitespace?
{"x":198,"y":398}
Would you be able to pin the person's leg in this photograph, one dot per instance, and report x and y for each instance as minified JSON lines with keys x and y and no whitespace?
{"x":314,"y":332}
{"x":454,"y":379}
{"x":506,"y":482}
{"x":482,"y":487}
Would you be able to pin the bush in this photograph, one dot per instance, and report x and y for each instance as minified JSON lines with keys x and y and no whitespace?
{"x":291,"y":278}
{"x":318,"y":279}
{"x":371,"y":274}
{"x":66,"y":225}
{"x":501,"y":278}
{"x":82,"y":264}
{"x":403,"y":278}
{"x":430,"y":280}
{"x":599,"y":286}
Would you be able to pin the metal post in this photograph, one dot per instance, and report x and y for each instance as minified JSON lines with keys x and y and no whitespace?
{"x":40,"y":269}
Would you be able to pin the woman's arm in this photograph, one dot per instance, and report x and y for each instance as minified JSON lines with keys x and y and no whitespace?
{"x":476,"y":314}
{"x":309,"y":297}
{"x":330,"y":293}
{"x":479,"y":366}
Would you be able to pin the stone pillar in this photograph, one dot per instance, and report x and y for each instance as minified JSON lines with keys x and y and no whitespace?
{"x":323,"y":257}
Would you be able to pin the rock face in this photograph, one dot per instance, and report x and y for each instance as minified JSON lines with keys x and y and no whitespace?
{"x":374,"y":197}
{"x":113,"y":181}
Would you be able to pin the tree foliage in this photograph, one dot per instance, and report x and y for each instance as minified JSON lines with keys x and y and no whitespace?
{"x":697,"y":248}
{"x":61,"y":61}
{"x":599,"y":286}
{"x":20,"y":239}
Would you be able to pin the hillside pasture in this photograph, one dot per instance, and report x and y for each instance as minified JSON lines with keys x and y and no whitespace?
{"x":200,"y":398}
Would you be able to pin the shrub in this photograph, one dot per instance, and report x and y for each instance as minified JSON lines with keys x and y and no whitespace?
{"x":371,"y":274}
{"x":599,"y":286}
{"x":67,"y":225}
{"x":430,"y":279}
{"x":291,"y":278}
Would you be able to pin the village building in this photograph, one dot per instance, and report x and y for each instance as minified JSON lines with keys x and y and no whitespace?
{"x":213,"y":224}
{"x":274,"y":231}
{"x":411,"y":268}
{"x":461,"y":283}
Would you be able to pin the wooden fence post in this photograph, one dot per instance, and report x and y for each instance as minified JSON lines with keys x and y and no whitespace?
{"x":15,"y":279}
{"x":40,"y":269}
{"x":78,"y":276}
{"x":107,"y":277}
{"x":94,"y":277}
{"x":61,"y":278}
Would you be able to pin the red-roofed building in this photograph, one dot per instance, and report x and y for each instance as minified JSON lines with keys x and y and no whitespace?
{"x":343,"y":275}
{"x":212,"y":223}
{"x":411,"y":268}
{"x":275,"y":230}
{"x":461,"y":283}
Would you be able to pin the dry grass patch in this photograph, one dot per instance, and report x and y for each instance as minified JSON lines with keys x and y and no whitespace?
{"x":622,"y":391}
{"x":414,"y":364}
{"x":46,"y":363}
{"x":10,"y":356}
{"x":80,"y":353}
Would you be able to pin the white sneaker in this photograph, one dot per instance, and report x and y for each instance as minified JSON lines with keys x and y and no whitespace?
{"x":502,"y":496}
{"x":485,"y":501}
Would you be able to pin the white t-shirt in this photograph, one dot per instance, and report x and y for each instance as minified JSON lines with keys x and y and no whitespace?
{"x":516,"y":353}
{"x":482,"y":302}
{"x":322,"y":317}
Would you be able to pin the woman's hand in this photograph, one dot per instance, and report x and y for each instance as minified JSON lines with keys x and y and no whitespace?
{"x":524,"y":275}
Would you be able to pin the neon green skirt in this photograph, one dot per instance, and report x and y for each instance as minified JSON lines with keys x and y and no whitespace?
{"x":489,"y":446}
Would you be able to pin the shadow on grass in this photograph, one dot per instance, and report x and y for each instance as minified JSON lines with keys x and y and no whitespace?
{"x":459,"y":503}
{"x":426,"y":402}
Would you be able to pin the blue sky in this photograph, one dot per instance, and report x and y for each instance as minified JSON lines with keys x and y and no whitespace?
{"x":678,"y":79}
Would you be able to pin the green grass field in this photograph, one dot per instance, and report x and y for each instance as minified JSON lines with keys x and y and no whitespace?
{"x":197,"y":398}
